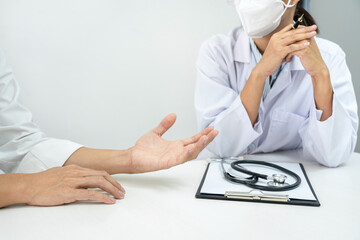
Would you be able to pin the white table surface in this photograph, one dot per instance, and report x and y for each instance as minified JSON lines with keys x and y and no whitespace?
{"x":162,"y":205}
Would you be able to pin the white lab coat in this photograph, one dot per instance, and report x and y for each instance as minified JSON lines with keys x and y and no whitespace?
{"x":288,"y":118}
{"x":23,"y":147}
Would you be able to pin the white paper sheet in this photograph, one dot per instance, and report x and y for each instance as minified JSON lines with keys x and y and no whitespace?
{"x":216,"y":183}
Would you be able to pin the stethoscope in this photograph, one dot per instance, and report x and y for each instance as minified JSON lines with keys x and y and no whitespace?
{"x":276,"y":182}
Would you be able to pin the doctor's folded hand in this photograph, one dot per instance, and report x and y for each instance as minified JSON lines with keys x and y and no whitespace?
{"x":43,"y":171}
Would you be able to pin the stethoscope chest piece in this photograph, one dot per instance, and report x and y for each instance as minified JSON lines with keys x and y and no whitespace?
{"x":278,"y":180}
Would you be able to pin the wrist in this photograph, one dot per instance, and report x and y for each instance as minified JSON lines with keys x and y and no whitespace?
{"x":13,"y":189}
{"x":121,"y":162}
{"x":21,"y":193}
{"x":322,"y":76}
{"x":259,"y":75}
{"x":26,"y":189}
{"x":112,"y":161}
{"x":321,"y":83}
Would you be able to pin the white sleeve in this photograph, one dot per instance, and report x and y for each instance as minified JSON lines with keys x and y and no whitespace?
{"x":218,"y":104}
{"x":23,"y":147}
{"x":332,"y":141}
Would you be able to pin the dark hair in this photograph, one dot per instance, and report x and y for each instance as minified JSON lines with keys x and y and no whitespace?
{"x":308,"y":20}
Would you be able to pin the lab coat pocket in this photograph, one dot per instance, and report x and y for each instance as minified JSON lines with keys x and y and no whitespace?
{"x":284,"y":131}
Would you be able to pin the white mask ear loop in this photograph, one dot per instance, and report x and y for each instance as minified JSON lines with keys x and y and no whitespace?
{"x":286,"y":6}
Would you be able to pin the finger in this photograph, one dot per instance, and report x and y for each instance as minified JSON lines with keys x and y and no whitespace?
{"x":211,"y":136}
{"x":193,"y":150}
{"x":85,"y":172}
{"x":99,"y":182}
{"x":289,"y":57}
{"x":165,"y":124}
{"x":297,"y":46}
{"x":299,"y":30}
{"x":298,"y":37}
{"x":196,"y":137}
{"x":296,"y":53}
{"x":286,"y":29}
{"x":197,"y":148}
{"x":189,"y":151}
{"x":93,"y":195}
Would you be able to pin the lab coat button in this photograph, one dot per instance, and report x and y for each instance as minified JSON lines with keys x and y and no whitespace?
{"x":252,"y":147}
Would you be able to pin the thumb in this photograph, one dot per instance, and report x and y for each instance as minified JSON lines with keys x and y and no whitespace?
{"x":165,"y":124}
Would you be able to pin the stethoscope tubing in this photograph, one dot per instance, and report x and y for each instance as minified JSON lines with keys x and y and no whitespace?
{"x":254,"y":176}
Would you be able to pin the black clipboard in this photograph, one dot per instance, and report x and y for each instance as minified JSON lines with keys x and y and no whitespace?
{"x":291,"y":201}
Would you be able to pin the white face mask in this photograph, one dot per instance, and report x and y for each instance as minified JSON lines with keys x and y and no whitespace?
{"x":261,"y":17}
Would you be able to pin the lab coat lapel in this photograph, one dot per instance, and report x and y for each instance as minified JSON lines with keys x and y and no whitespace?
{"x":242,"y":48}
{"x":284,"y":78}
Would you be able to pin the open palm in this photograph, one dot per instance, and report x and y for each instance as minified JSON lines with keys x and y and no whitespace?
{"x":151,"y":152}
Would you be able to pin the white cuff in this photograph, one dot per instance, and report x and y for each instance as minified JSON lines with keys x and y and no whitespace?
{"x":318,"y":114}
{"x":236,"y":132}
{"x":331,"y":139}
{"x":47,"y":154}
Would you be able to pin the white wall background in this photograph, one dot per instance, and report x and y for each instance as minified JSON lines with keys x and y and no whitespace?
{"x":103,"y":72}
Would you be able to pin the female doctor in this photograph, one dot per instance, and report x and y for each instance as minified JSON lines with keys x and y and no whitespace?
{"x":268,"y":88}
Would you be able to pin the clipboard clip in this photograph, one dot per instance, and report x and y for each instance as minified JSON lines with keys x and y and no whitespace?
{"x":257,"y":195}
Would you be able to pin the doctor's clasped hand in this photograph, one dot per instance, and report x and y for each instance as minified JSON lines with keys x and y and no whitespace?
{"x":300,"y":42}
{"x":281,"y":45}
{"x":315,"y":66}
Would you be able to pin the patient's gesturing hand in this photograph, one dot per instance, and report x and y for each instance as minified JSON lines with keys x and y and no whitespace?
{"x":151,"y":152}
